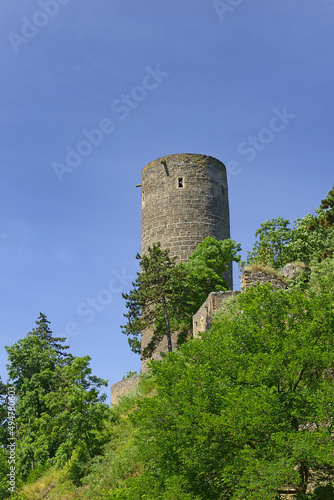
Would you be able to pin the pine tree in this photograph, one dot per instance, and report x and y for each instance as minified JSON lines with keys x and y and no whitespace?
{"x":156,"y":301}
{"x":59,"y":407}
{"x":167,"y":293}
{"x":37,"y":352}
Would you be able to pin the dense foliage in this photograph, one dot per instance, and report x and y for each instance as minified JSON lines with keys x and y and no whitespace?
{"x":166,"y":294}
{"x":156,"y":300}
{"x":310,"y":239}
{"x":245,"y":412}
{"x":60,"y":414}
{"x":4,"y":435}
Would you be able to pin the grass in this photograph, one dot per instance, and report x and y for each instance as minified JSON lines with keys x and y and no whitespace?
{"x":50,"y":486}
{"x":119,"y":461}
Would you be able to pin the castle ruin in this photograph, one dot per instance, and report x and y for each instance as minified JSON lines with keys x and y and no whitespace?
{"x":184,"y":200}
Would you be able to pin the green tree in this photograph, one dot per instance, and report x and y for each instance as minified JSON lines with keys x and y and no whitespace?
{"x":3,"y":414}
{"x":311,"y":238}
{"x":269,"y":249}
{"x":36,"y":353}
{"x":308,"y":245}
{"x":58,"y":401}
{"x":156,"y":300}
{"x":4,"y":435}
{"x":166,"y":294}
{"x":74,"y":424}
{"x":32,"y":364}
{"x":246,"y":412}
{"x":207,"y":266}
{"x":325,"y":213}
{"x":4,"y":470}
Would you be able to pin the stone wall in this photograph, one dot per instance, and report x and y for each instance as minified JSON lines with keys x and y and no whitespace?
{"x":123,"y":387}
{"x":161,"y":347}
{"x":252,"y":278}
{"x":202,"y":320}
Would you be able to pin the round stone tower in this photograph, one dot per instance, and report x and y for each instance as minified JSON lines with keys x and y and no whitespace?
{"x":184,"y":199}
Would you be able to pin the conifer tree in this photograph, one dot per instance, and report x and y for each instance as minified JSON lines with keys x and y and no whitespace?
{"x":167,"y":293}
{"x":35,"y":353}
{"x":156,"y":300}
{"x":59,"y":408}
{"x":325,"y":212}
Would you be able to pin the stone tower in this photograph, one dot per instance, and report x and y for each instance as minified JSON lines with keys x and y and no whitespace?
{"x":184,"y":199}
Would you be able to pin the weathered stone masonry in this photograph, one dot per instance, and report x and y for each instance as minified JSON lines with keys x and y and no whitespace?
{"x":123,"y":387}
{"x":202,"y":320}
{"x":184,"y":199}
{"x":252,"y":278}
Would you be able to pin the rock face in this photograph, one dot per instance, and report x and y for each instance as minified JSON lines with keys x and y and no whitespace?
{"x":252,"y":278}
{"x":292,"y":270}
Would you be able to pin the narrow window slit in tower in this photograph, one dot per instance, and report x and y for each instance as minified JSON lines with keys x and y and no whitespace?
{"x":180,"y":182}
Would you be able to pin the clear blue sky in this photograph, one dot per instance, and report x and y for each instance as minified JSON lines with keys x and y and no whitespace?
{"x":248,"y":82}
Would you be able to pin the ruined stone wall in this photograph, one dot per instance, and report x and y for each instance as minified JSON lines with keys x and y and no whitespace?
{"x":123,"y":387}
{"x":252,"y":278}
{"x":202,"y":320}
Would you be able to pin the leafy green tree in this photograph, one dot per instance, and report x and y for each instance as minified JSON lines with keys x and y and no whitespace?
{"x":36,"y":353}
{"x":59,"y":407}
{"x":325,"y":213}
{"x":3,"y":414}
{"x":246,"y":412}
{"x":4,"y":470}
{"x":307,"y":245}
{"x":74,"y":424}
{"x":4,"y":435}
{"x":311,"y":238}
{"x":269,"y":249}
{"x":207,"y":266}
{"x":32,"y":363}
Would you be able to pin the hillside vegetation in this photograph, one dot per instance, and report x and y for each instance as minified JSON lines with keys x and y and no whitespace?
{"x":244,"y":412}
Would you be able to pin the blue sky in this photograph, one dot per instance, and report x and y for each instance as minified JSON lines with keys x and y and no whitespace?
{"x":248,"y":82}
